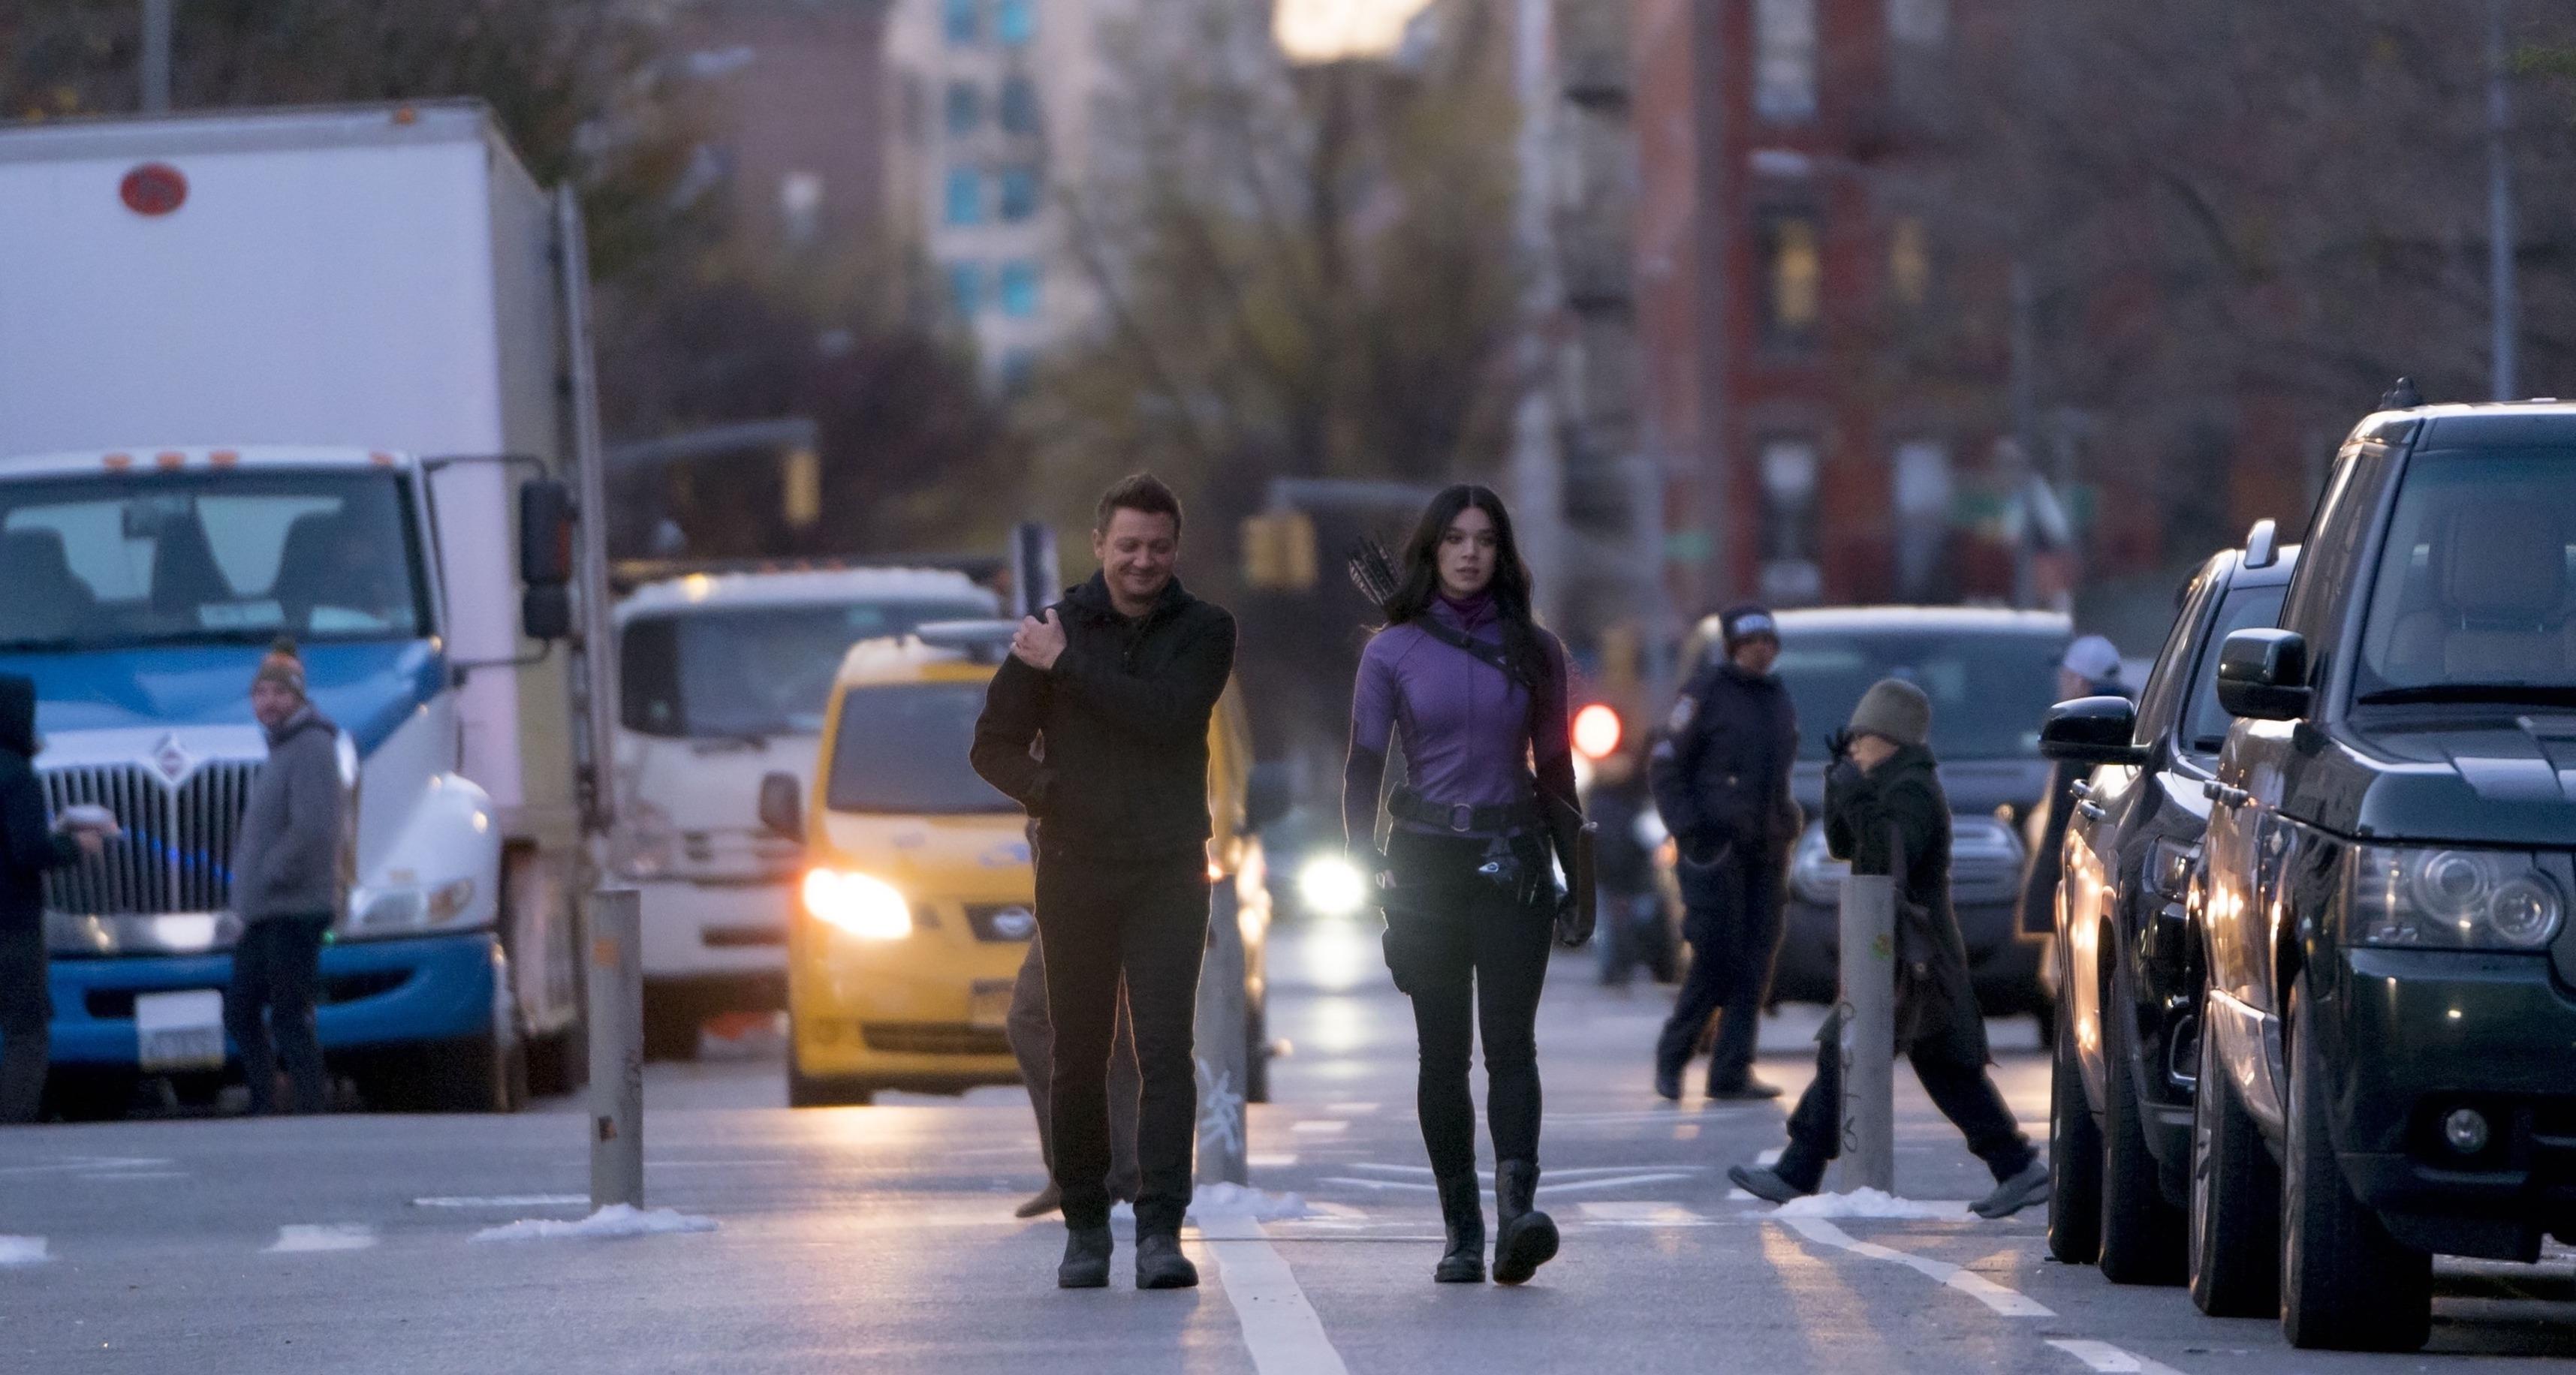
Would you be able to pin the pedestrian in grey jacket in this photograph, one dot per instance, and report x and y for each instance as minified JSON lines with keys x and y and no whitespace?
{"x":286,"y":886}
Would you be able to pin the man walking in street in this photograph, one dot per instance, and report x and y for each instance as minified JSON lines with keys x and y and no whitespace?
{"x":1721,"y":780}
{"x":28,"y":847}
{"x":1886,"y":813}
{"x":287,"y":886}
{"x":1118,"y":680}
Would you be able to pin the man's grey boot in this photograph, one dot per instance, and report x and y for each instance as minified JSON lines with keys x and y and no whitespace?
{"x":1086,"y":1258}
{"x":1160,"y":1264}
{"x":1527,"y":1239}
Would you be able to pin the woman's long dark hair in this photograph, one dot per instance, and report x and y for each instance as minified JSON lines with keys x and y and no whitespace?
{"x":1510,"y":587}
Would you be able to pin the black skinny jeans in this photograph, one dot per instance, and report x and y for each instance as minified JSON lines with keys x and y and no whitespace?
{"x":1734,"y":929}
{"x":26,"y":1006}
{"x":277,"y":969}
{"x":1965,"y":1094}
{"x":1473,"y":957}
{"x":1145,"y":920}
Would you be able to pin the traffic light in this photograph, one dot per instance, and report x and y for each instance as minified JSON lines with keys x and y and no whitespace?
{"x":1279,"y":551}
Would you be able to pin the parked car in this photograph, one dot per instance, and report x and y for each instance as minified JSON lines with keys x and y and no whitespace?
{"x":1992,"y":675}
{"x":2383,"y":894}
{"x":2128,"y":1011}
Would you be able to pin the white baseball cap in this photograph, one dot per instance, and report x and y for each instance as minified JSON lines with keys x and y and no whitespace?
{"x":2093,"y":657}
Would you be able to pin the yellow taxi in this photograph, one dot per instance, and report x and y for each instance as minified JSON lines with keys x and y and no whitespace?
{"x":914,"y":913}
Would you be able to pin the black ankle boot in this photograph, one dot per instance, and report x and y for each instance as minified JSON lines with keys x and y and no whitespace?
{"x":1086,"y":1258}
{"x":1527,"y":1239}
{"x":1462,"y":1208}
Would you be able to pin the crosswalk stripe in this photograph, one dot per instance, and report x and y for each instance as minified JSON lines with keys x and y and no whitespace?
{"x":2007,"y":1302}
{"x":2103,"y":1356}
{"x":324,"y":1236}
{"x":1280,"y":1327}
{"x":22,"y":1251}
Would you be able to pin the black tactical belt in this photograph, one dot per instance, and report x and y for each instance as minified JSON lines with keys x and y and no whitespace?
{"x":1404,"y":804}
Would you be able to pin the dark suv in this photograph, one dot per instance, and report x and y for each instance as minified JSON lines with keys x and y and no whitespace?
{"x":2390,"y":998}
{"x":2128,"y":979}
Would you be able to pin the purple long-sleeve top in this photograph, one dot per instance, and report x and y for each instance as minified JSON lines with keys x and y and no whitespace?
{"x":1465,"y":725}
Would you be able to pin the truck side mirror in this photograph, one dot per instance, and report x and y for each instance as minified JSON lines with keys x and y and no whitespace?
{"x":545,"y":534}
{"x":782,"y":804}
{"x":545,"y":612}
{"x":1265,"y":795}
{"x":2092,"y":730}
{"x":2263,"y":674}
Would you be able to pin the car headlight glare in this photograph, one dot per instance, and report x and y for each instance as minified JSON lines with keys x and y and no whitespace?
{"x":2453,"y":899}
{"x":1331,"y":886}
{"x":855,"y":904}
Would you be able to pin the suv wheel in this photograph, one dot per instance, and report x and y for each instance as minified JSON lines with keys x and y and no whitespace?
{"x":2142,"y":1234}
{"x":2235,"y":1198}
{"x":2074,"y":1157}
{"x":2346,"y":1284}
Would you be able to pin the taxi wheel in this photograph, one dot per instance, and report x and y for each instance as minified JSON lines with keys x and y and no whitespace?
{"x":812,"y":1091}
{"x":2346,"y":1284}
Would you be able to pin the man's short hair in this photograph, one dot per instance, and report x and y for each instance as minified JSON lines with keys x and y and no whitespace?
{"x":1139,"y":492}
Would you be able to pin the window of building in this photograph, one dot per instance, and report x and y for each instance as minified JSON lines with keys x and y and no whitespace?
{"x":1792,"y":277}
{"x":1924,"y":23}
{"x":1020,"y":111}
{"x":963,"y":20}
{"x":1018,"y":289}
{"x":966,"y":288}
{"x":965,"y":108}
{"x":1015,"y":21}
{"x":965,"y":202}
{"x":1784,"y":59}
{"x":1019,"y":192}
{"x":1922,"y":488}
{"x":1909,"y":262}
{"x":1790,"y":574}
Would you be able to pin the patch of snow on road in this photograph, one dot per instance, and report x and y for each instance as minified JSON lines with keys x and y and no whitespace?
{"x":22,"y":1251}
{"x":1235,"y":1200}
{"x":615,"y":1220}
{"x":327,"y":1236}
{"x":1872,"y":1203}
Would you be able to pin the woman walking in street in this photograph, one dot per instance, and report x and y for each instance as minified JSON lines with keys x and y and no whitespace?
{"x":1477,"y":690}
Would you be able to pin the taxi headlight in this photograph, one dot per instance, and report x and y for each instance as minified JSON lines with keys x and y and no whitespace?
{"x":2453,"y":899}
{"x":860,"y":905}
{"x":1331,"y":886}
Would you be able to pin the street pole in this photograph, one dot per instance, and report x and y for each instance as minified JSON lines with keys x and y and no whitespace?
{"x":616,"y":1048}
{"x":1867,"y":1043}
{"x":1537,"y":467}
{"x":157,"y":22}
{"x":2505,"y":303}
{"x":1223,"y":1052}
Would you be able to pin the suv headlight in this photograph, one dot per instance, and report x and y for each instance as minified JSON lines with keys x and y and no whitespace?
{"x":405,"y":909}
{"x":1814,"y":874}
{"x":860,"y":905}
{"x":2453,"y":899}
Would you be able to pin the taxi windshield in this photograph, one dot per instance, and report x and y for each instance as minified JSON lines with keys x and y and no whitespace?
{"x":902,"y":749}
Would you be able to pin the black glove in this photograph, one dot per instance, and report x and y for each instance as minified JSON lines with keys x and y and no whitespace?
{"x":1839,"y":743}
{"x":1573,"y":925}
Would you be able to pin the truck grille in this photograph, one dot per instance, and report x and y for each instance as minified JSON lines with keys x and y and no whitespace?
{"x":176,"y":853}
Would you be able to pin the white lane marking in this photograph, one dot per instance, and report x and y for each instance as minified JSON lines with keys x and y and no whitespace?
{"x":128,"y":1176}
{"x":2105,"y":1357}
{"x":1280,"y":1328}
{"x":1547,"y":1187}
{"x":1640,"y":1215}
{"x":1321,"y":1127}
{"x":1579,"y":1172}
{"x":87,"y":1164}
{"x":507,"y":1201}
{"x":1350,"y":1109}
{"x":1379,"y":1183}
{"x":712,"y":1164}
{"x":1276,"y":1160}
{"x":2009,"y":1303}
{"x":323,"y":1236}
{"x":22,"y":1251}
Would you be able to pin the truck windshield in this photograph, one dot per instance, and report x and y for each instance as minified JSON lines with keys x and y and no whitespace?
{"x":741,"y":672}
{"x":902,"y":749}
{"x":2474,"y":598}
{"x":1988,"y":690}
{"x":125,"y":559}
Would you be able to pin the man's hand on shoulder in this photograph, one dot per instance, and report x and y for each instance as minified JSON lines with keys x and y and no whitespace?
{"x":1039,"y":642}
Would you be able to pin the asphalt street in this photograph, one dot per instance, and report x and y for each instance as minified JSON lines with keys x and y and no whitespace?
{"x":881,"y":1238}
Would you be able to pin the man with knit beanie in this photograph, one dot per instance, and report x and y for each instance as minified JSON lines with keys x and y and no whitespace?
{"x":1720,"y":774}
{"x":1885,"y":812}
{"x":286,"y":889}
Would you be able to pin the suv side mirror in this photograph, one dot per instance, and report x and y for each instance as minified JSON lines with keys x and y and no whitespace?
{"x":2092,"y":730}
{"x":782,"y":805}
{"x":1265,"y":795}
{"x":2263,"y":674}
{"x":545,"y":533}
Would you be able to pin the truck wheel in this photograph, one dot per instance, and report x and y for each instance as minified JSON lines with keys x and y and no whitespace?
{"x":101,"y":1097}
{"x":2074,"y":1157}
{"x":2235,"y":1258}
{"x":671,"y":1028}
{"x":2346,"y":1284}
{"x":560,"y":1064}
{"x":2142,"y":1234}
{"x":477,"y":1074}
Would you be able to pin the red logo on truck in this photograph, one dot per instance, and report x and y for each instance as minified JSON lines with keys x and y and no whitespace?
{"x":155,"y":188}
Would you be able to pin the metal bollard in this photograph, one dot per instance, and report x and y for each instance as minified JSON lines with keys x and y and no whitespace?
{"x":1867,"y":1014}
{"x":616,"y":1048}
{"x":1221,"y":1050}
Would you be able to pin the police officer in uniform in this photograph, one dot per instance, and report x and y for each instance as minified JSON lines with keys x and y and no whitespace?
{"x":1721,"y":779}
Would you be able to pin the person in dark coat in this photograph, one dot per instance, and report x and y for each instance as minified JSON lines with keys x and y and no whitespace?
{"x":1119,"y":680}
{"x":2091,"y":668}
{"x":289,"y":868}
{"x":1721,"y":779}
{"x":26,"y":1003}
{"x":1884,"y":790}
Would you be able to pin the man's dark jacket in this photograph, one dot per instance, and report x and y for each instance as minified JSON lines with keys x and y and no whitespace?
{"x":33,"y":846}
{"x":1721,"y":772}
{"x":1901,"y":802}
{"x":1121,"y":722}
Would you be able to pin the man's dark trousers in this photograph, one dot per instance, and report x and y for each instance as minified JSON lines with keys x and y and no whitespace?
{"x":1146,"y":920}
{"x":277,"y":968}
{"x":1733,"y":924}
{"x":26,"y":1005}
{"x":1963,"y":1092}
{"x":1032,"y":1035}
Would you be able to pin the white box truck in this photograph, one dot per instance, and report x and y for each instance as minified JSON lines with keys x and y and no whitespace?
{"x":321,"y":374}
